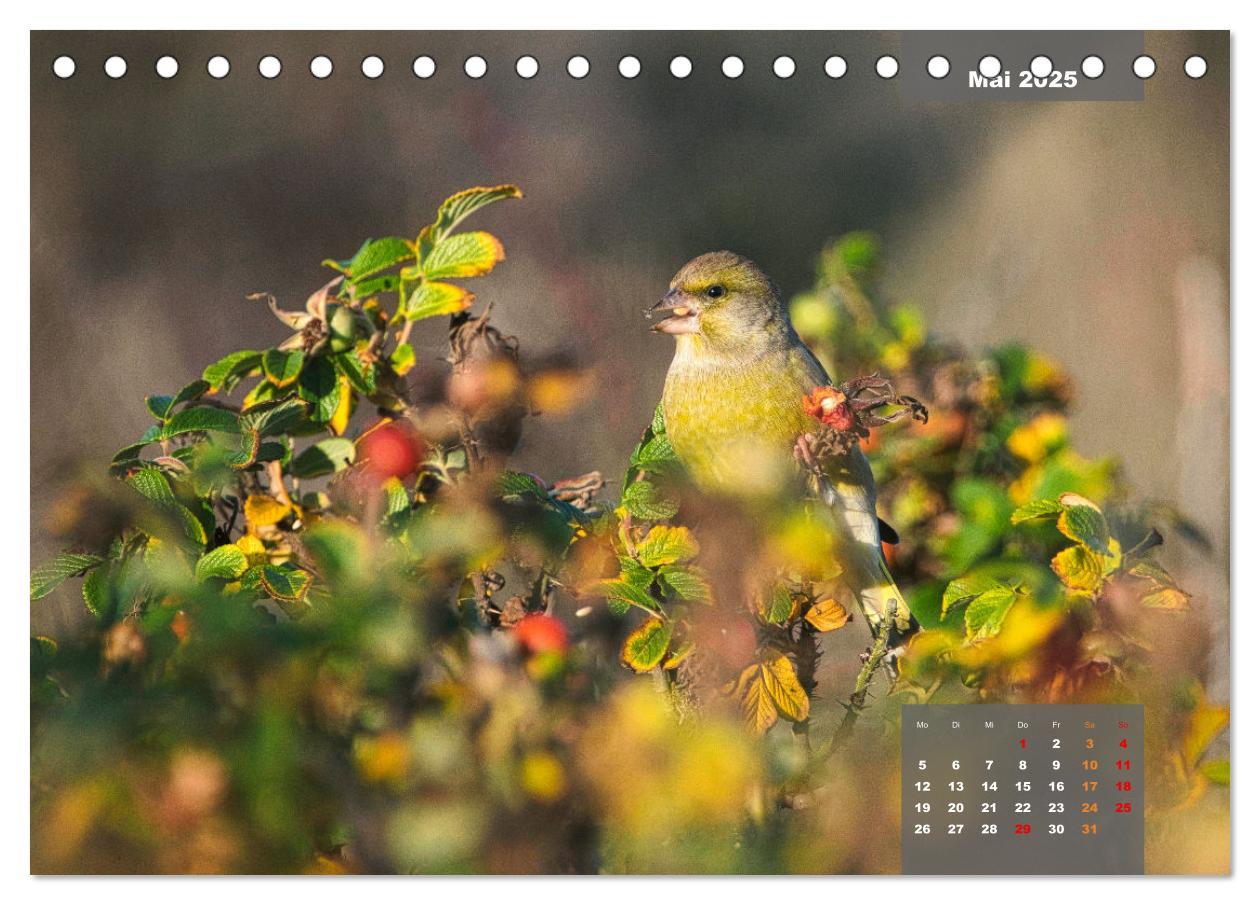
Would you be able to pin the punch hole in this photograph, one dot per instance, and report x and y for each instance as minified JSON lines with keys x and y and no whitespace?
{"x":269,"y":67}
{"x":1041,"y":66}
{"x":1092,"y":66}
{"x":321,"y":67}
{"x":166,"y":67}
{"x":938,"y":66}
{"x":218,"y":67}
{"x":63,"y":67}
{"x":115,"y":67}
{"x":784,"y":67}
{"x":732,"y":67}
{"x":475,"y":67}
{"x":1196,"y":67}
{"x":1144,"y":66}
{"x":886,"y":66}
{"x":527,"y":67}
{"x":423,"y":67}
{"x":579,"y":67}
{"x":835,"y":67}
{"x":680,"y":66}
{"x":989,"y":66}
{"x":629,"y":67}
{"x":372,"y":67}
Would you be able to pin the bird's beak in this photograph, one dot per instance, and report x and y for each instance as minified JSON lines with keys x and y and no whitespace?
{"x":683,"y":317}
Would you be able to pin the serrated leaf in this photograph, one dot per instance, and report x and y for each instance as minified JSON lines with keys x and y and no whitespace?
{"x":520,"y":484}
{"x":275,"y":418}
{"x":373,"y":256}
{"x":285,"y":582}
{"x":1035,"y":510}
{"x":455,"y":208}
{"x":634,"y":573}
{"x":46,"y":578}
{"x":317,"y":384}
{"x":434,"y":298}
{"x":621,"y":595}
{"x":462,"y":255}
{"x":1086,"y":525}
{"x":224,"y":373}
{"x":827,"y":615}
{"x":96,"y":596}
{"x":1082,"y":569}
{"x":202,"y":418}
{"x":154,"y":486}
{"x":361,"y":376}
{"x":646,"y":645}
{"x":325,"y":457}
{"x":646,"y":501}
{"x":228,"y":562}
{"x":282,"y":367}
{"x":986,"y":613}
{"x":687,"y":583}
{"x":760,"y":713}
{"x":667,"y":544}
{"x":779,"y":678}
{"x":161,"y":407}
{"x":131,"y":453}
{"x":403,"y":359}
{"x":960,"y":592}
{"x":777,"y":606}
{"x":397,"y":500}
{"x":262,"y":510}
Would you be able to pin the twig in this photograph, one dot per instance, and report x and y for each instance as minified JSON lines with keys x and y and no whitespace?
{"x":875,"y":656}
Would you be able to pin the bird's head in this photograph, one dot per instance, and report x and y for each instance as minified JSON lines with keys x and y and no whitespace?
{"x":721,"y":300}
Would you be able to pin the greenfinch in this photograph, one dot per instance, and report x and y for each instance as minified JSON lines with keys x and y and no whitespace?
{"x":733,"y":412}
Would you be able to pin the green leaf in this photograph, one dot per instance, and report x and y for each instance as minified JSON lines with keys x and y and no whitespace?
{"x":1087,"y":525}
{"x":455,"y":208}
{"x":282,"y":368}
{"x":1216,"y":771}
{"x":654,"y":454}
{"x":318,"y":386}
{"x":403,"y":359}
{"x":362,"y":376}
{"x":285,"y":582}
{"x":325,"y":457}
{"x":397,"y":499}
{"x":96,"y":592}
{"x":777,"y":608}
{"x":1081,"y":569}
{"x":434,"y":298}
{"x":462,"y":255}
{"x":987,"y":612}
{"x":1035,"y":510}
{"x":130,"y":454}
{"x":47,"y":578}
{"x":272,"y":419}
{"x":520,"y":484}
{"x":154,"y":486}
{"x":373,"y":256}
{"x":202,"y":418}
{"x":687,"y":583}
{"x":961,"y":591}
{"x":667,"y":544}
{"x":223,"y":374}
{"x":646,"y":645}
{"x":646,"y":501}
{"x":621,"y":595}
{"x":227,"y":561}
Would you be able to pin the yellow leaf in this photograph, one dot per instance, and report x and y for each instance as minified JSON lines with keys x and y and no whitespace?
{"x":462,"y":255}
{"x":664,"y":545}
{"x":759,"y":710}
{"x":434,"y":298}
{"x":253,"y":548}
{"x":827,"y":615}
{"x":345,"y":398}
{"x":779,"y":679}
{"x":646,"y":645}
{"x":1203,"y":725}
{"x":261,"y":510}
{"x":677,"y":657}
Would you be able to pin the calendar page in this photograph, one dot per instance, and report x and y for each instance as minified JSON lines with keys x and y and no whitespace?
{"x":629,"y":452}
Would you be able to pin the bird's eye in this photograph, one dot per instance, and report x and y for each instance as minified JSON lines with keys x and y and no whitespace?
{"x":715,"y":291}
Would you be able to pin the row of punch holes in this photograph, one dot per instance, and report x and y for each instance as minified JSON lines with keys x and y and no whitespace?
{"x":578,"y":67}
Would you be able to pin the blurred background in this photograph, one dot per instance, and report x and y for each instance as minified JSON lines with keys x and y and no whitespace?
{"x":1099,"y":233}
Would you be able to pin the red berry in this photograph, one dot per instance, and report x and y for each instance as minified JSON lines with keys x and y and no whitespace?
{"x":390,"y":451}
{"x":539,"y":633}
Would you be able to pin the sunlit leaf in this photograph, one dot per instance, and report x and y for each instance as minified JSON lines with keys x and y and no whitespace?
{"x":780,"y":681}
{"x":262,"y":510}
{"x":1035,"y":510}
{"x":667,"y":544}
{"x":462,"y":255}
{"x":646,"y":646}
{"x":827,"y":615}
{"x":434,"y":298}
{"x":224,"y":373}
{"x":282,"y":368}
{"x":688,"y":583}
{"x":455,"y":208}
{"x":203,"y":418}
{"x":227,"y":561}
{"x":986,"y":613}
{"x":46,"y":578}
{"x":285,"y":582}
